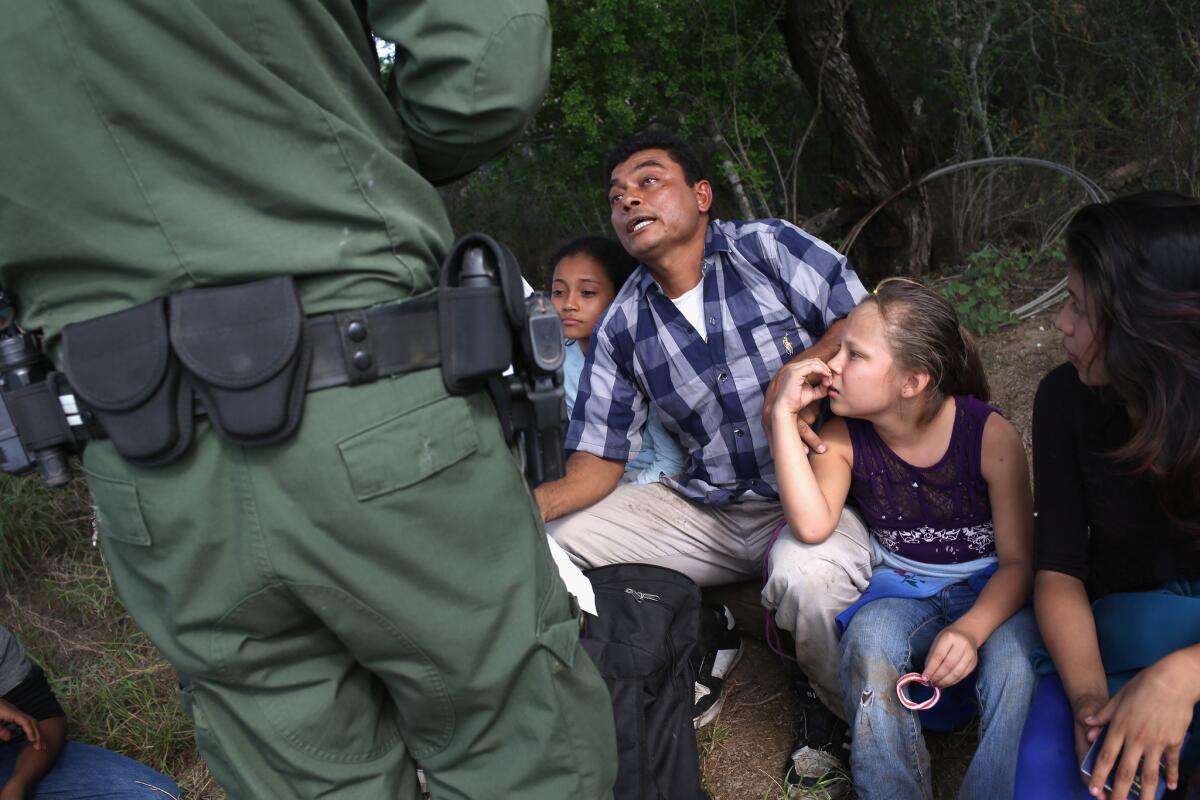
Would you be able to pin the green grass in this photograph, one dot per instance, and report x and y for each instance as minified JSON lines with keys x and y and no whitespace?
{"x":36,"y":522}
{"x":834,"y":785}
{"x":713,"y":736}
{"x":55,"y":594}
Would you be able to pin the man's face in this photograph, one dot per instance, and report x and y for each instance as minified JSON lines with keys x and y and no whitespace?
{"x":653,"y":208}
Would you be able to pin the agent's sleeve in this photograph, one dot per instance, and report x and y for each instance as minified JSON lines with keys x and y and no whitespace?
{"x":821,"y":285}
{"x":469,"y":74}
{"x":1060,"y":524}
{"x":610,"y":410}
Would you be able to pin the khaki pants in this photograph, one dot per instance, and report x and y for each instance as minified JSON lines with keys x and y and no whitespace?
{"x":374,"y":592}
{"x":807,"y":585}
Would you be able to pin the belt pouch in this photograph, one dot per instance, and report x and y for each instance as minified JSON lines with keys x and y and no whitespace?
{"x":122,"y":368}
{"x":244,"y":349}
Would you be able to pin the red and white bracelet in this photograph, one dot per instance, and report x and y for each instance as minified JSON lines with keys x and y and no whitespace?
{"x":916,"y":677}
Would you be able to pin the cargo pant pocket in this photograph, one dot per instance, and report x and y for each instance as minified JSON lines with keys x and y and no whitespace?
{"x":206,"y":740}
{"x":406,"y":449}
{"x":118,"y":510}
{"x":586,"y":736}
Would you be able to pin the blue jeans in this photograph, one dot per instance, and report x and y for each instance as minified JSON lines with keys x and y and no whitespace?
{"x":1134,"y":630}
{"x":892,"y":636}
{"x":83,"y":772}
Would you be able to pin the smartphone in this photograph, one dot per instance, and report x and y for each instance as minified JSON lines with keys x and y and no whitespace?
{"x":1135,"y":788}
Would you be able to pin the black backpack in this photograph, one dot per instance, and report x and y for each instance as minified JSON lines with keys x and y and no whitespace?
{"x":641,"y":643}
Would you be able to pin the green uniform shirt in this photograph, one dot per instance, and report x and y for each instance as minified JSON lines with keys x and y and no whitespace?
{"x":148,"y":146}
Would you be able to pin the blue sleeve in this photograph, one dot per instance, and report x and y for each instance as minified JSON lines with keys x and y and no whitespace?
{"x":610,"y":409}
{"x":667,"y":456}
{"x":572,"y":369}
{"x":820,"y":285}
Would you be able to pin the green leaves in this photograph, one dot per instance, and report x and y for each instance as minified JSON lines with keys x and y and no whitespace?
{"x":978,"y":293}
{"x":698,"y":68}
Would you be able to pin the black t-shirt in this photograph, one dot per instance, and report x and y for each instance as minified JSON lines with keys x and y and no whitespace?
{"x":35,"y":697}
{"x":1095,"y":520}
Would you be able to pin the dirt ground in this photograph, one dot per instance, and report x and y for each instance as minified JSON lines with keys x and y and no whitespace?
{"x":744,"y":751}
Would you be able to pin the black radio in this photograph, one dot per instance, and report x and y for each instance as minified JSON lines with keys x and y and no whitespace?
{"x":24,"y":371}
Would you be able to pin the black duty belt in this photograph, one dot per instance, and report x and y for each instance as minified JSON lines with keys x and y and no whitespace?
{"x":244,"y":356}
{"x":353,"y":347}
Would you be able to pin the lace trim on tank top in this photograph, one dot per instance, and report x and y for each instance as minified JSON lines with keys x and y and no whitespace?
{"x":980,"y":539}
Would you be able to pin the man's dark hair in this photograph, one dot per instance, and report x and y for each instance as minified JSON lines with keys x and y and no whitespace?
{"x":680,"y":152}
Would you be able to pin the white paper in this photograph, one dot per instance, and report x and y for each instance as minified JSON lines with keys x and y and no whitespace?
{"x":577,"y":583}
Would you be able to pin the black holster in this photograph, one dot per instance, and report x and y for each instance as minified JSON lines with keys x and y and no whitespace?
{"x":490,"y":339}
{"x":478,"y":314}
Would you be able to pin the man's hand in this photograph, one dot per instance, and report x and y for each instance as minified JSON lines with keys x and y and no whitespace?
{"x":796,"y":392}
{"x":10,"y":714}
{"x":1146,"y":721}
{"x":951,"y":658}
{"x":589,"y":480}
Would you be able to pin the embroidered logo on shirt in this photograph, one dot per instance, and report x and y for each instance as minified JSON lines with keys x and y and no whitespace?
{"x":787,"y":345}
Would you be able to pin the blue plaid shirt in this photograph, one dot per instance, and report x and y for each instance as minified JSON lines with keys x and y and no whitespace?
{"x":770,"y":292}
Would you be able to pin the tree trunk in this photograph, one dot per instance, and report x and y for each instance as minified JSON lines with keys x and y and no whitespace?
{"x":732,"y":175}
{"x":833,"y":62}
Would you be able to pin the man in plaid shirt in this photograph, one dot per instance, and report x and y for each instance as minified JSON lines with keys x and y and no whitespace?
{"x":704,"y":330}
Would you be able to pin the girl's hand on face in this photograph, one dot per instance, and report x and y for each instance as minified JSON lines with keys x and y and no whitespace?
{"x":951,"y":658}
{"x":805,"y":383}
{"x":1146,"y":722}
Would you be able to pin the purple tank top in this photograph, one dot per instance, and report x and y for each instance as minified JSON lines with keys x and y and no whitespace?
{"x":938,"y":514}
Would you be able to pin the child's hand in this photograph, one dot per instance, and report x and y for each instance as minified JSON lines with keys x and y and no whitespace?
{"x":806,"y":383}
{"x":10,"y":714}
{"x":951,"y":658}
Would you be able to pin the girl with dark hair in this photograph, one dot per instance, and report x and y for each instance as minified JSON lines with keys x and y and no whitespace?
{"x":941,"y":479}
{"x":1116,"y":436}
{"x":587,"y":274}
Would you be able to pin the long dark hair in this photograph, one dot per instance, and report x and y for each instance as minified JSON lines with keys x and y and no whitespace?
{"x":618,"y":265}
{"x":925,"y":334}
{"x":1139,"y":258}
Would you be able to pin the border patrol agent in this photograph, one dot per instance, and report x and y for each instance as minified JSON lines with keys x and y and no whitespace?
{"x":371,"y":588}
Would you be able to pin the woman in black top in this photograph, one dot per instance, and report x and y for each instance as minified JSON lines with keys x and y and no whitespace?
{"x":1116,"y":440}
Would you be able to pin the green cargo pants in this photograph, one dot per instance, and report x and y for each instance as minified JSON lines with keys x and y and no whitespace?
{"x":375,"y":591}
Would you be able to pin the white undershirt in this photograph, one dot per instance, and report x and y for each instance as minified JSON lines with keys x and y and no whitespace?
{"x":691,"y":305}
